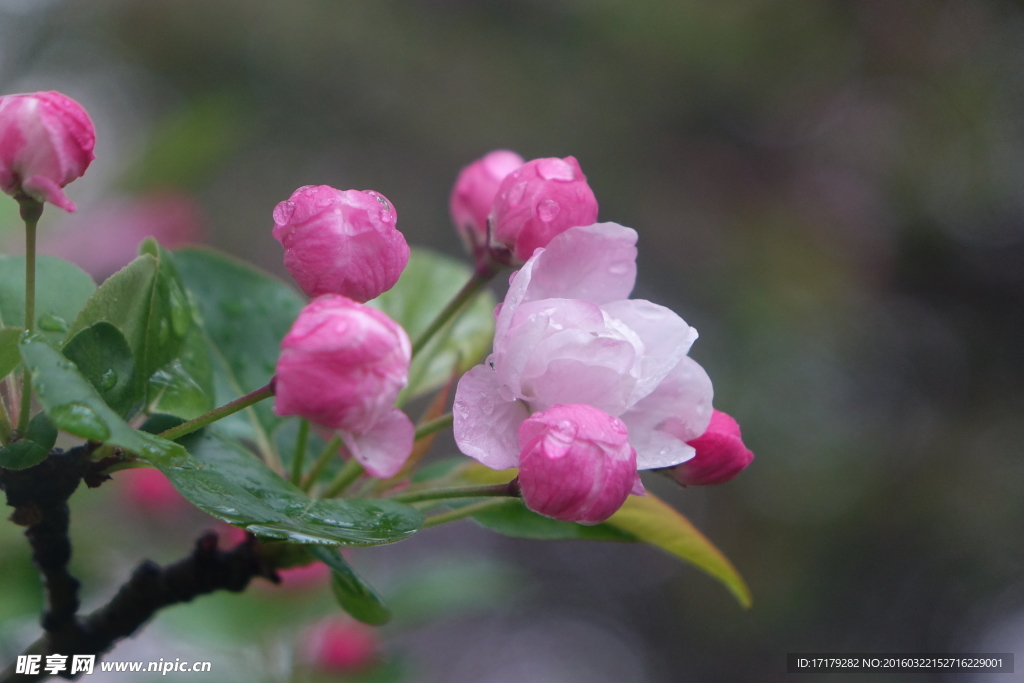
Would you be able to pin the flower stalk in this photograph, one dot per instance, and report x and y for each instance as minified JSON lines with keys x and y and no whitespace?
{"x":511,"y":489}
{"x":481,"y":276}
{"x":218,"y":413}
{"x":31,"y":210}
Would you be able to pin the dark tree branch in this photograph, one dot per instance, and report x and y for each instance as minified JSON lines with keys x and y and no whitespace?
{"x":39,"y":496}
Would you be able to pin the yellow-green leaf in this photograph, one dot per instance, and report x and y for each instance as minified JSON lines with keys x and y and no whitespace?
{"x":653,"y":521}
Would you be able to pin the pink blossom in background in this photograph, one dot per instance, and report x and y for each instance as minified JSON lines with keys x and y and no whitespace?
{"x":567,"y":334}
{"x":340,"y":646}
{"x":148,"y":490}
{"x":474,"y":193}
{"x":576,"y":463}
{"x":46,"y":141}
{"x":341,"y":242}
{"x":103,"y":240}
{"x":342,"y":366}
{"x":540,"y":199}
{"x":721,"y":454}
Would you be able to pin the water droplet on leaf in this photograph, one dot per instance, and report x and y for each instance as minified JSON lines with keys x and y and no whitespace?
{"x":108,"y":380}
{"x":51,"y":323}
{"x":80,"y":420}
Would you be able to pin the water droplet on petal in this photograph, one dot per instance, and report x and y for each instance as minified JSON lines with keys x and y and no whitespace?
{"x":52,"y":323}
{"x":619,"y":268}
{"x":515,"y":194}
{"x":547,"y":210}
{"x":283,"y":212}
{"x":555,"y":169}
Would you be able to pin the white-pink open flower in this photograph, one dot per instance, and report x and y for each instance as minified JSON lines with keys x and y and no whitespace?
{"x":567,"y":333}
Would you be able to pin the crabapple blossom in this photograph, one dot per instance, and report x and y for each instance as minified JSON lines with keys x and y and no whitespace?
{"x":342,"y":366}
{"x":721,"y":454}
{"x":567,"y":334}
{"x":46,"y":141}
{"x":341,"y":646}
{"x":474,"y":193}
{"x":341,"y":242}
{"x":576,"y":463}
{"x":537,"y":201}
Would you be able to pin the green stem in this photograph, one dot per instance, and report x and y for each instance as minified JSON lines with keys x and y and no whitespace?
{"x":329,"y":451}
{"x":218,"y":413}
{"x":300,"y":451}
{"x":31,"y":210}
{"x":461,"y":513}
{"x":481,"y":276}
{"x":348,"y":474}
{"x":509,"y":489}
{"x":435,"y":425}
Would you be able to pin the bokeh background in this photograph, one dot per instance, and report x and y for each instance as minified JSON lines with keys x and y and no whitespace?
{"x":830,"y":191}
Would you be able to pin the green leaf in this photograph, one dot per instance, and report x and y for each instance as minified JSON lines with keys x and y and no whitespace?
{"x":62,"y":289}
{"x":9,"y":356}
{"x":41,"y":431}
{"x":33,"y":448}
{"x":653,"y":521}
{"x":641,"y":518}
{"x":74,"y":405}
{"x":245,"y":313}
{"x":103,"y":357}
{"x":427,"y":284}
{"x":512,"y":518}
{"x":352,"y":593}
{"x":21,"y":454}
{"x":225,"y":480}
{"x":146,"y":301}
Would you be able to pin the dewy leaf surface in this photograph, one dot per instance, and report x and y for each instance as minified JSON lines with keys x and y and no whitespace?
{"x":146,"y":301}
{"x":74,"y":405}
{"x":427,"y":284}
{"x":102,"y":355}
{"x":62,"y":289}
{"x":245,"y":314}
{"x":227,"y":481}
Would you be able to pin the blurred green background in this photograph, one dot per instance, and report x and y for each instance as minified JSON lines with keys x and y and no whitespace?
{"x":831,"y":192}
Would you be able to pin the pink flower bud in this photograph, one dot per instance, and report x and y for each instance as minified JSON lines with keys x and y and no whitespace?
{"x":341,"y":242}
{"x":46,"y":141}
{"x":721,"y":454}
{"x":539,"y":200}
{"x":576,"y":463}
{"x":474,"y":194}
{"x":150,"y":491}
{"x":342,"y":366}
{"x":341,"y":646}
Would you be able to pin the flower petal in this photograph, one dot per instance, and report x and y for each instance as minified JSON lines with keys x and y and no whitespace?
{"x":595,"y":263}
{"x":666,"y":339}
{"x":385,"y":447}
{"x":487,"y":425}
{"x":678,"y":410}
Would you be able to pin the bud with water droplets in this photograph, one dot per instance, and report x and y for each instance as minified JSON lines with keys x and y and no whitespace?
{"x":341,"y":242}
{"x":46,"y":141}
{"x":539,"y":200}
{"x":342,"y":366}
{"x":576,"y":463}
{"x":473,"y":196}
{"x":721,"y":454}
